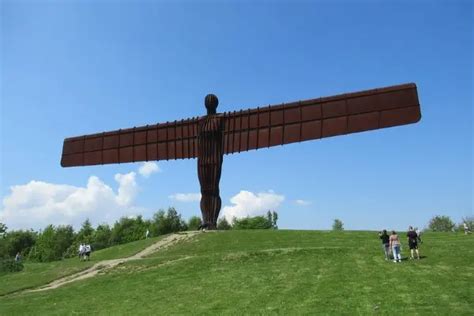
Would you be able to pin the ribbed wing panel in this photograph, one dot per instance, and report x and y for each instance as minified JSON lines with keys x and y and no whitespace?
{"x":323,"y":117}
{"x":172,"y":140}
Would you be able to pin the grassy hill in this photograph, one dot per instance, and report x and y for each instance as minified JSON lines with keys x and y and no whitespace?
{"x":268,"y":272}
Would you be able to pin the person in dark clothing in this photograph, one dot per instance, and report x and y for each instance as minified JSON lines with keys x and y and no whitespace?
{"x":203,"y":226}
{"x":413,"y":243}
{"x":385,"y":243}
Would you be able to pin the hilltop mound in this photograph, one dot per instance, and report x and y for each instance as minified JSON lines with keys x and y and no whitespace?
{"x":260,"y":272}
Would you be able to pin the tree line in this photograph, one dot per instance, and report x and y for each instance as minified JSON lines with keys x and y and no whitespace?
{"x":436,"y":224}
{"x":59,"y":242}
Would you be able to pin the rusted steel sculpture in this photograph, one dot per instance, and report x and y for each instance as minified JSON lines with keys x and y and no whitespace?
{"x":211,"y":136}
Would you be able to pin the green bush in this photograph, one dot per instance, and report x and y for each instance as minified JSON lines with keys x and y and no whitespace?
{"x":441,"y":224}
{"x":10,"y":265}
{"x":194,"y":223}
{"x":256,"y":222}
{"x":223,"y":224}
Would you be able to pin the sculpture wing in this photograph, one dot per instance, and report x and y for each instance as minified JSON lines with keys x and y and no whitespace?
{"x":323,"y":117}
{"x":171,"y":140}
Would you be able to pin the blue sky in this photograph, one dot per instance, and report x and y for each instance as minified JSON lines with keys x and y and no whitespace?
{"x":80,"y":67}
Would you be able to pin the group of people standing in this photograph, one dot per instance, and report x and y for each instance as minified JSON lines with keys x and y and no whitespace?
{"x":391,"y":244}
{"x":84,"y":252}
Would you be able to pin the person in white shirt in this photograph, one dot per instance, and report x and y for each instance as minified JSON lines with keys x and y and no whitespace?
{"x":466,"y":229}
{"x":418,"y":233}
{"x":81,"y":251}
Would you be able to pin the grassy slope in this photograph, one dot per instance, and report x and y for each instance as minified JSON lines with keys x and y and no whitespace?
{"x":284,"y":272}
{"x":35,"y":274}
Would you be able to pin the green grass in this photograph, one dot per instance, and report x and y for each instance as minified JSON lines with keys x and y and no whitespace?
{"x":36,"y":274}
{"x":274,"y":272}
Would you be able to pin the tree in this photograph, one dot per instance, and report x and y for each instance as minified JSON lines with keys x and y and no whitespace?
{"x":128,"y":229}
{"x":20,"y":241}
{"x":167,"y":223}
{"x":86,"y":233}
{"x":175,"y":222}
{"x":102,"y":236}
{"x":274,"y":220}
{"x":3,"y":229}
{"x":53,"y":243}
{"x":223,"y":224}
{"x":194,"y":223}
{"x":441,"y":224}
{"x":337,"y":225}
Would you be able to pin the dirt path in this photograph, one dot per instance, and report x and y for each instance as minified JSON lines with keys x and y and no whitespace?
{"x":109,"y":264}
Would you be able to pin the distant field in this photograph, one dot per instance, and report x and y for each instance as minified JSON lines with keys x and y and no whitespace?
{"x":269,"y":272}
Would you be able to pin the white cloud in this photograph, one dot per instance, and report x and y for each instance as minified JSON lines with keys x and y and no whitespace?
{"x":246,"y":203}
{"x":37,"y":203}
{"x":127,"y":190}
{"x":148,"y":168}
{"x":303,"y":202}
{"x":186,"y":197}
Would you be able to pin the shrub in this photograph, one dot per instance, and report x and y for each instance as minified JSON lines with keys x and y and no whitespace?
{"x":223,"y":224}
{"x":256,"y":222}
{"x":194,"y":223}
{"x":10,"y":265}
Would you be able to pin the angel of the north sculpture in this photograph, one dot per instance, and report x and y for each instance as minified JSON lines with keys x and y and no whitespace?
{"x":209,"y":137}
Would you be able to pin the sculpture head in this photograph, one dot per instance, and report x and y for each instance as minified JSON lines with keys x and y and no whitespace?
{"x":211,"y":102}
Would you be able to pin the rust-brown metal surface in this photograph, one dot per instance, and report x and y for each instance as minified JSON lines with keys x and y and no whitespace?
{"x":318,"y":118}
{"x":209,"y":137}
{"x":251,"y":129}
{"x":210,"y":158}
{"x":171,"y":140}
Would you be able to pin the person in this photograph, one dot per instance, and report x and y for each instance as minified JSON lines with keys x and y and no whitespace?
{"x":395,"y":246}
{"x":385,"y":243}
{"x":418,"y":233}
{"x":147,"y":234}
{"x":81,"y":251}
{"x":18,"y":257}
{"x":413,"y":243}
{"x":203,"y":226}
{"x":87,"y":252}
{"x":466,"y":229}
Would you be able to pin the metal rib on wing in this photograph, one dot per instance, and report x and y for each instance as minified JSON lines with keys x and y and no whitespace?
{"x":323,"y":117}
{"x":171,"y":140}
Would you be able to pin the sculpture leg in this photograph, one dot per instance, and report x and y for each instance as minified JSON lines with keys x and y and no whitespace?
{"x":209,"y":176}
{"x":210,"y":207}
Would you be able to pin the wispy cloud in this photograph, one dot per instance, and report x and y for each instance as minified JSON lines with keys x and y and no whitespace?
{"x":186,"y":197}
{"x":303,"y":202}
